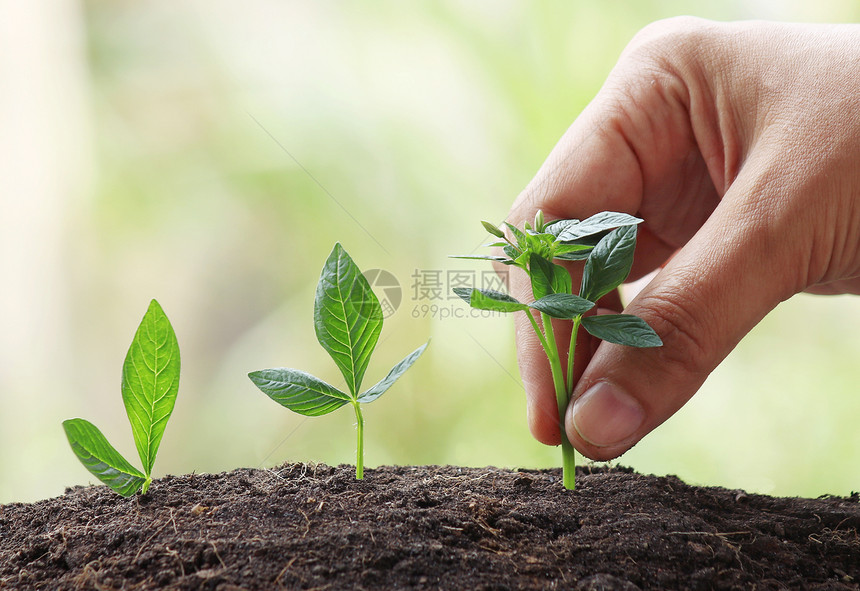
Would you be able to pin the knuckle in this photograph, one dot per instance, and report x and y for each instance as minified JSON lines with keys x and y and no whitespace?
{"x":670,"y":33}
{"x":663,"y":59}
{"x":670,"y":46}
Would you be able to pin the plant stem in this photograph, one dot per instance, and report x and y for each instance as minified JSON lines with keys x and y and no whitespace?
{"x":568,"y":454}
{"x":539,"y":332}
{"x":570,"y":350}
{"x":146,"y":484}
{"x":359,"y":453}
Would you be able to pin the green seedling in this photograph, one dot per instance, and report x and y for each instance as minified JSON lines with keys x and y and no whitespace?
{"x":605,"y":242}
{"x":150,"y":382}
{"x":348,"y":321}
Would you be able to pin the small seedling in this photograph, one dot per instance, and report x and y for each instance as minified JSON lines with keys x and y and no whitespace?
{"x":348,"y":321}
{"x":605,"y":242}
{"x":150,"y":382}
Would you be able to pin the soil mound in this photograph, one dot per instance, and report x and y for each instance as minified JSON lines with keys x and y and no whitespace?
{"x":302,"y":526}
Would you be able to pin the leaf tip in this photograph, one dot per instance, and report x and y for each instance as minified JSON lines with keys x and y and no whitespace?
{"x":337,"y":251}
{"x":70,"y":424}
{"x":67,"y":425}
{"x":464,"y":293}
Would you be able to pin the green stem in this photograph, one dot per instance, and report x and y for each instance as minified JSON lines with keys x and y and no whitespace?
{"x":538,"y":332}
{"x":570,"y":351}
{"x":359,"y":453}
{"x":568,"y":455}
{"x":146,"y":484}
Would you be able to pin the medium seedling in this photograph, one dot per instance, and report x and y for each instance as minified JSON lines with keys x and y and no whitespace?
{"x":150,"y":382}
{"x":348,"y":321}
{"x":605,"y":242}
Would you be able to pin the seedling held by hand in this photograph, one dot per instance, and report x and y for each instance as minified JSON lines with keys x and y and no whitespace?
{"x":150,"y":382}
{"x":348,"y":321}
{"x":605,"y":242}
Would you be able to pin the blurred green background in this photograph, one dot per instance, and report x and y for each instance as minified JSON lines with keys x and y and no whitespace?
{"x":209,"y":154}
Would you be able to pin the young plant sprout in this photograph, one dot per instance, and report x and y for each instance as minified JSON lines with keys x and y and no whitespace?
{"x":150,"y":382}
{"x":348,"y":320}
{"x":605,"y":242}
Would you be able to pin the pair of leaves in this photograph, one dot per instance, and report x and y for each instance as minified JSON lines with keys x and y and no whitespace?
{"x":558,"y":305}
{"x":606,"y":241}
{"x":572,"y":231}
{"x":347,"y":321}
{"x":150,"y":383}
{"x":577,"y":239}
{"x":571,"y":240}
{"x":607,"y":266}
{"x":621,"y":329}
{"x":608,"y":261}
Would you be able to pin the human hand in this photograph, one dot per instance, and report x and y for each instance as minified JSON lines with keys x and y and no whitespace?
{"x":739,"y":144}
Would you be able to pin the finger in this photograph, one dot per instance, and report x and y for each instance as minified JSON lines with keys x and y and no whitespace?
{"x":541,"y":408}
{"x":839,"y":287}
{"x":652,"y":252}
{"x":735,"y":270}
{"x":631,"y":150}
{"x":586,"y":150}
{"x":591,"y":169}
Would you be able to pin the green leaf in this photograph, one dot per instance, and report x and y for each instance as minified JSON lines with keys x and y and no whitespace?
{"x":522,"y":240}
{"x":150,"y":382}
{"x":537,"y":239}
{"x":573,"y":252}
{"x":522,"y":260}
{"x":590,"y":240}
{"x":299,"y":391}
{"x":562,"y":305}
{"x":464,"y":293}
{"x":600,"y":222}
{"x":512,"y":251}
{"x":347,"y":316}
{"x":622,"y":329}
{"x":398,"y":370}
{"x":609,"y":263}
{"x":561,"y":248}
{"x":492,"y":229}
{"x":574,"y":256}
{"x":547,"y":277}
{"x":556,"y":227}
{"x":101,"y":459}
{"x":489,"y":299}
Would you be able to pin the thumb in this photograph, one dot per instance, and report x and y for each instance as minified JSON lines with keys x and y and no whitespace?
{"x":735,"y":270}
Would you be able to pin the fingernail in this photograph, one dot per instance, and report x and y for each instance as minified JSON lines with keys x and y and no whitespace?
{"x":606,"y":415}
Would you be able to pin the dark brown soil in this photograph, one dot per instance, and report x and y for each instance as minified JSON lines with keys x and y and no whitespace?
{"x":315,"y":527}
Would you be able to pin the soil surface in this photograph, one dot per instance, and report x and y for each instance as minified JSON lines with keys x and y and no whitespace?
{"x":303,"y":526}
